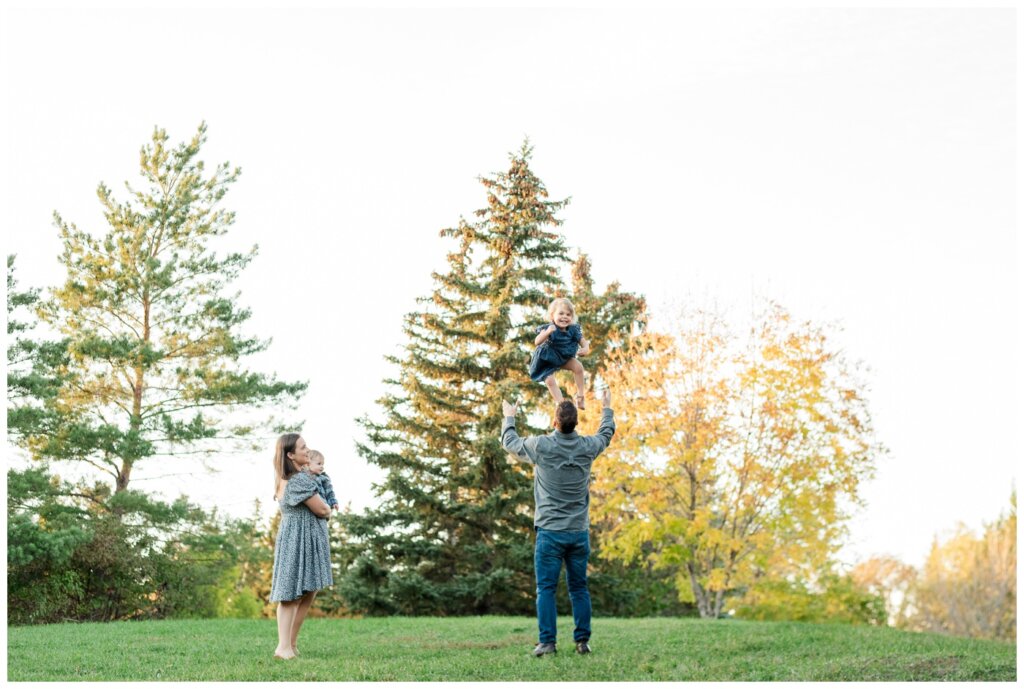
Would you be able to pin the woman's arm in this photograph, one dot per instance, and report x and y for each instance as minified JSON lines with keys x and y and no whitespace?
{"x":317,"y":506}
{"x":544,"y":334}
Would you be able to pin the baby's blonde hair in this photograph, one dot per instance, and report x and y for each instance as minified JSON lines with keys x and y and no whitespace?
{"x":314,"y":454}
{"x":562,"y":301}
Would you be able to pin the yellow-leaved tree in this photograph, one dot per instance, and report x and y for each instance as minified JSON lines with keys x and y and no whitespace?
{"x":890,"y":578}
{"x":968,"y":585}
{"x":734,"y":461}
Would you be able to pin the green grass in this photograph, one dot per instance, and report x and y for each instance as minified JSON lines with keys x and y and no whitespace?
{"x":497,"y":649}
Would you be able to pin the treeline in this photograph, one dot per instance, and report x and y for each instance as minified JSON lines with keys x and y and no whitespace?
{"x":738,"y":460}
{"x":967,"y":586}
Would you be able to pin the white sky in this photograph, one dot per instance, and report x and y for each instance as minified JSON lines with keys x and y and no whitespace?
{"x":857,"y":165}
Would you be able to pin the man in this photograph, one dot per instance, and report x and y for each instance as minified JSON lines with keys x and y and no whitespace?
{"x":561,"y":491}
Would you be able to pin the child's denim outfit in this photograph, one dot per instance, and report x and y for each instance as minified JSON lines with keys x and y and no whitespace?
{"x":325,"y":490}
{"x":552,"y":354}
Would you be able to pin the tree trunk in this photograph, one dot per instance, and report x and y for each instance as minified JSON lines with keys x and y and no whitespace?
{"x":719,"y":602}
{"x":140,"y":381}
{"x":122,"y":477}
{"x":699,"y":594}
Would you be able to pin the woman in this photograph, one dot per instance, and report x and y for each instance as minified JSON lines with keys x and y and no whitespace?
{"x":302,"y":560}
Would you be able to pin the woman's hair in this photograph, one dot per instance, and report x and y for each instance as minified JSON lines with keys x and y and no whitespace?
{"x":562,"y":301}
{"x":284,"y":467}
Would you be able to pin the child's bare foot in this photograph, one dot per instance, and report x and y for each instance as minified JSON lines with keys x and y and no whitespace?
{"x":580,"y":402}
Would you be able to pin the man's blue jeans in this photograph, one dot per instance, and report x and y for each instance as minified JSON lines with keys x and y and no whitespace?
{"x":552,"y":549}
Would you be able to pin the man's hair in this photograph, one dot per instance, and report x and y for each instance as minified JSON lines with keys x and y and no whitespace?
{"x":566,"y":417}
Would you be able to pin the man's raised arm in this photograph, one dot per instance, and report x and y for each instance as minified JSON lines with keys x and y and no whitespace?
{"x":607,"y":428}
{"x":510,"y":440}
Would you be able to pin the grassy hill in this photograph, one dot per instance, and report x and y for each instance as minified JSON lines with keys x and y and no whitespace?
{"x":497,"y":649}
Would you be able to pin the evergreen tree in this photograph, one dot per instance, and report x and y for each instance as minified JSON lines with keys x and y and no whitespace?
{"x":609,"y":320}
{"x":33,"y":364}
{"x":451,"y":534}
{"x":152,"y":339}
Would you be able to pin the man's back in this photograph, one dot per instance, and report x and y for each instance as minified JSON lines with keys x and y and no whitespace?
{"x":561,"y":489}
{"x":561,"y":485}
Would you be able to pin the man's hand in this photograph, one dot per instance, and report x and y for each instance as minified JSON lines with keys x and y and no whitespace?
{"x":509,"y":409}
{"x":606,"y":398}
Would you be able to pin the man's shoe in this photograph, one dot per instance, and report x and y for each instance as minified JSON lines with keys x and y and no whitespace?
{"x":544,"y":649}
{"x":583,"y":647}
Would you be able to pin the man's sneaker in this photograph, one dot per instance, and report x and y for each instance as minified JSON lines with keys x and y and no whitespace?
{"x":544,"y":649}
{"x":582,"y":647}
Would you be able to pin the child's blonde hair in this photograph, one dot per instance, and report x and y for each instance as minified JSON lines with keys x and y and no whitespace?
{"x":562,"y":301}
{"x":313,"y":454}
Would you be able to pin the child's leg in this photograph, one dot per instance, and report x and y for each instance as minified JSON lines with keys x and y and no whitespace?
{"x":577,"y":372}
{"x":553,"y":387}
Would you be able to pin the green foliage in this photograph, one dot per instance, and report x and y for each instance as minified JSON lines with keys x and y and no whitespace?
{"x":43,"y":536}
{"x":148,"y":362}
{"x":79,"y":552}
{"x":233,"y":598}
{"x":609,"y":319}
{"x":496,"y":649}
{"x":253,"y":555}
{"x":620,"y":590}
{"x":836,"y":599}
{"x":152,"y":346}
{"x":452,"y":532}
{"x":33,"y":365}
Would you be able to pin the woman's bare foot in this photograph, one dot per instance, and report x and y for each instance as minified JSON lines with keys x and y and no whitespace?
{"x":286,"y":654}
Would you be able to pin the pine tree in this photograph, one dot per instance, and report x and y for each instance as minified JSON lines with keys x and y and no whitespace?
{"x":152,"y":338}
{"x":451,"y":534}
{"x":33,"y":364}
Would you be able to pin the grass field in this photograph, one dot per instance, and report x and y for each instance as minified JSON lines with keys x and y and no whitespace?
{"x":497,"y":649}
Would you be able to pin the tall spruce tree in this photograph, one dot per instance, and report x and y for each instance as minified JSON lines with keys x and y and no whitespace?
{"x":152,"y":338}
{"x":609,"y":320}
{"x":451,"y":534}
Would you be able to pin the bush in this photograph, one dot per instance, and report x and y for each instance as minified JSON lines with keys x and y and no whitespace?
{"x":837,"y":600}
{"x":79,"y":553}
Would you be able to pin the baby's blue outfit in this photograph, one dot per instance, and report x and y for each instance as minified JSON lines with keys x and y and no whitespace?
{"x":552,"y":354}
{"x":324,"y":489}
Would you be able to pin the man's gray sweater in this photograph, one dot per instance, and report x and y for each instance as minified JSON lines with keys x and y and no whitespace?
{"x":561,"y":479}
